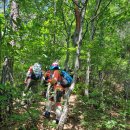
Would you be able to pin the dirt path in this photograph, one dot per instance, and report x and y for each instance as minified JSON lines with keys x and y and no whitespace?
{"x":73,"y":120}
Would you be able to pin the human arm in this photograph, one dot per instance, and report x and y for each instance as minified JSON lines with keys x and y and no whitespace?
{"x":28,"y":74}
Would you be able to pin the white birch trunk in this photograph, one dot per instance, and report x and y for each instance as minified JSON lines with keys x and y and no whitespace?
{"x":86,"y":91}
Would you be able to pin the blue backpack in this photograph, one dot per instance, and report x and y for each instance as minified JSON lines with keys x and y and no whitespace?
{"x":66,"y":78}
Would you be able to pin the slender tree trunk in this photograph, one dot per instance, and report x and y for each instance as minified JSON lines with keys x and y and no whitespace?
{"x":87,"y":74}
{"x":77,"y":39}
{"x":87,"y":81}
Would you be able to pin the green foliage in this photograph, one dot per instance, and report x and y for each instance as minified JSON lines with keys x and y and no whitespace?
{"x":110,"y":124}
{"x":43,"y":29}
{"x":104,"y":111}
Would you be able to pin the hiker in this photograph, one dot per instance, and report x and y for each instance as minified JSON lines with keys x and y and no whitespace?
{"x":46,"y":77}
{"x":34,"y":73}
{"x":58,"y":89}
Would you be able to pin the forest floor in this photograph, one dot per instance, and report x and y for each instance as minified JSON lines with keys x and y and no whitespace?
{"x":74,"y":119}
{"x":31,"y":117}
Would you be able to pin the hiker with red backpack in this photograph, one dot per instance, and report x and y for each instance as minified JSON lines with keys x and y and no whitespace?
{"x":58,"y":85}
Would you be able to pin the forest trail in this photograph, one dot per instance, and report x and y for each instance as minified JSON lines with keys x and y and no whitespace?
{"x":73,"y":120}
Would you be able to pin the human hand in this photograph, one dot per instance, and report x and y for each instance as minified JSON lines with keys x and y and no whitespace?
{"x":49,"y":80}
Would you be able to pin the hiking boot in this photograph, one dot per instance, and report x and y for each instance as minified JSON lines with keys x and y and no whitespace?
{"x":56,"y":121}
{"x":47,"y":114}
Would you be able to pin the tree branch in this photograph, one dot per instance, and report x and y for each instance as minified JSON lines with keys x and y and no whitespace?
{"x":101,"y":12}
{"x":76,"y":3}
{"x":96,"y":16}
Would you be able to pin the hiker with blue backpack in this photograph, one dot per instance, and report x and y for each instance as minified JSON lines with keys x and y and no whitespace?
{"x":66,"y":79}
{"x":59,"y":81}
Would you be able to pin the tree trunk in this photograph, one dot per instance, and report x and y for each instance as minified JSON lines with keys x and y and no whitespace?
{"x":7,"y":70}
{"x":86,"y":92}
{"x":77,"y":39}
{"x":14,"y":15}
{"x":7,"y":76}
